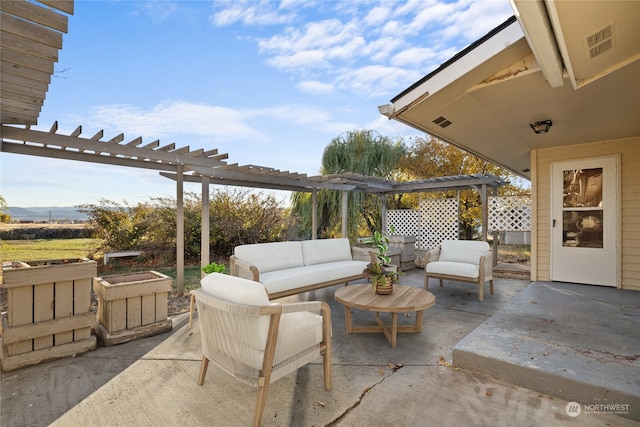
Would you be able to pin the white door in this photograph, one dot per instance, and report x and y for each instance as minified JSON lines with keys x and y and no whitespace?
{"x":584,"y":221}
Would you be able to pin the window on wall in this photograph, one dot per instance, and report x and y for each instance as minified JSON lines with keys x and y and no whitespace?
{"x":582,"y":208}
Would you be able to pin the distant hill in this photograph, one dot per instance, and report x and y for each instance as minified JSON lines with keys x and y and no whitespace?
{"x":53,"y":213}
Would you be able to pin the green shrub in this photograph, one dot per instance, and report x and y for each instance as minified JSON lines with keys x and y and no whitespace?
{"x":236,"y":217}
{"x":214,"y":268}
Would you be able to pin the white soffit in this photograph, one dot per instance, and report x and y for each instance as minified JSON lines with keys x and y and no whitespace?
{"x":595,"y":38}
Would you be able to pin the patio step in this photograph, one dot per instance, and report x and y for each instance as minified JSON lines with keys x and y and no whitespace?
{"x":574,"y":342}
{"x":507,"y":270}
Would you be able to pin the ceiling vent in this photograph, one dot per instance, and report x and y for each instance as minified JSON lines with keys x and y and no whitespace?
{"x":600,"y":41}
{"x":442,"y":122}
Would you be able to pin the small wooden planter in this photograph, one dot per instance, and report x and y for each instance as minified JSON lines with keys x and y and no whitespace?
{"x":48,"y":311}
{"x":132,"y":306}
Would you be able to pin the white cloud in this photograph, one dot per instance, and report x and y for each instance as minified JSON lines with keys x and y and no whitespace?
{"x":377,"y":16}
{"x":313,"y":118}
{"x":159,"y":11}
{"x":213,"y":124}
{"x":324,"y":34}
{"x":316,"y":87}
{"x":299,"y":61}
{"x":177,"y":117}
{"x":414,"y":56}
{"x":376,"y":80}
{"x":249,"y":12}
{"x":366,"y":48}
{"x":477,"y":19}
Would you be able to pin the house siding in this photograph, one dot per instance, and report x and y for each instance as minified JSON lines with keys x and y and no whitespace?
{"x":541,"y":160}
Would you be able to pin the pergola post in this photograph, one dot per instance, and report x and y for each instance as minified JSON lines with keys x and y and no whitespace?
{"x":482,"y":191}
{"x":383,"y":213}
{"x":345,"y":207}
{"x":204,"y":226}
{"x":314,"y":213}
{"x":485,"y":211}
{"x":180,"y":229}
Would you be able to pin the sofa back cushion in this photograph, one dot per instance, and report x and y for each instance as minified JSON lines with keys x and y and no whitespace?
{"x":325,"y":250}
{"x":467,"y":251}
{"x":271,"y":256}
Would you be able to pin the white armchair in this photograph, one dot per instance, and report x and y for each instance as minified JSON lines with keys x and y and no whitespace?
{"x":461,"y":260}
{"x":256,"y":341}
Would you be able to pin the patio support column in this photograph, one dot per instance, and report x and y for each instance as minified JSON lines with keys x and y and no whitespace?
{"x":180,"y":229}
{"x":345,"y":207}
{"x":383,"y":213}
{"x":204,"y":226}
{"x":314,"y":214}
{"x":485,"y":211}
{"x":494,"y":233}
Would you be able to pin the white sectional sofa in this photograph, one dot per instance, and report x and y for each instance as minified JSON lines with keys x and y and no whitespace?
{"x":288,"y":268}
{"x":462,"y":260}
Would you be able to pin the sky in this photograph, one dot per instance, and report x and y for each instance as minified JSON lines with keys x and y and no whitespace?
{"x":270,"y":83}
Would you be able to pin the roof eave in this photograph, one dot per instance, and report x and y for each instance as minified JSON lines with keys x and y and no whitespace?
{"x":464,"y":62}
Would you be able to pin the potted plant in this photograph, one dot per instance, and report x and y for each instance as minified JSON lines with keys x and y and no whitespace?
{"x":382,"y":280}
{"x":379,"y":270}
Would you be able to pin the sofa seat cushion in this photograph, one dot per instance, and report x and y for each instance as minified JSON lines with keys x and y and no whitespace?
{"x":454,"y":269}
{"x":297,"y":332}
{"x":466,"y":251}
{"x":271,"y":256}
{"x":293,"y":278}
{"x":325,"y":250}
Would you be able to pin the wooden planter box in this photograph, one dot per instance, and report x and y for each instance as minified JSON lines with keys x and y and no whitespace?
{"x":48,"y":311}
{"x":132,"y":306}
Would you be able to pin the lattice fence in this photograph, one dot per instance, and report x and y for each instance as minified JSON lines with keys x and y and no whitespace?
{"x":510,"y":213}
{"x":437,"y":220}
{"x":403,"y":221}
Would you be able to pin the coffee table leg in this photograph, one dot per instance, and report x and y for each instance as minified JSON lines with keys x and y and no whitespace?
{"x":419,"y":316}
{"x":394,"y":329}
{"x":391,"y":333}
{"x":347,"y":319}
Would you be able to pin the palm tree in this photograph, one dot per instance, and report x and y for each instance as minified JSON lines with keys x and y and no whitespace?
{"x":361,"y":151}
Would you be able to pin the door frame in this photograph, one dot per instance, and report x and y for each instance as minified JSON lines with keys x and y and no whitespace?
{"x":617,"y":206}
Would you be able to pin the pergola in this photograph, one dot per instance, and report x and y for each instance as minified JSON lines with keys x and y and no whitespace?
{"x":31,"y":37}
{"x":208,"y":167}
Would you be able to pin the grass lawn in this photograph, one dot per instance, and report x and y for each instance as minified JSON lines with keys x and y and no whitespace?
{"x":36,"y":250}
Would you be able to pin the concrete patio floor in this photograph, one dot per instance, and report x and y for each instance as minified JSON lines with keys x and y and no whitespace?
{"x":152,"y":381}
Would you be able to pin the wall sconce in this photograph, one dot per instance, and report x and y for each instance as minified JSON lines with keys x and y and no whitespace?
{"x":541,"y":127}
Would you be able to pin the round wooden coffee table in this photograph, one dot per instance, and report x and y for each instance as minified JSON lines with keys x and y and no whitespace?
{"x":404,"y":299}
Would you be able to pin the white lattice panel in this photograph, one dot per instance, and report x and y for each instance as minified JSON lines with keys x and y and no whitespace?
{"x":438,"y":221}
{"x":404,"y":222}
{"x":510,"y":213}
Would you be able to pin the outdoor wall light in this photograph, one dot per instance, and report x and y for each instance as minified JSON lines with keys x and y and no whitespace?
{"x":541,"y":127}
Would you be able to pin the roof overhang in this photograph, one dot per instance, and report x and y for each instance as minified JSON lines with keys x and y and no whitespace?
{"x":539,"y":66}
